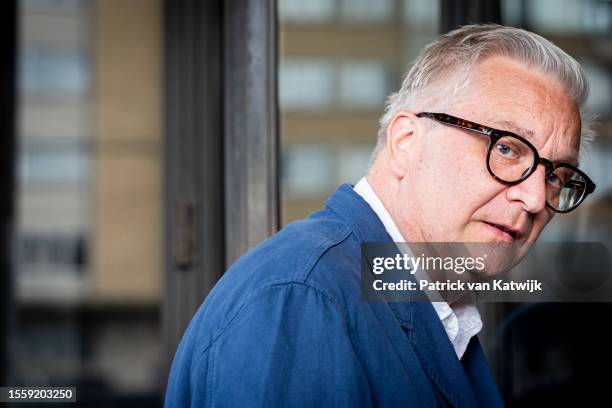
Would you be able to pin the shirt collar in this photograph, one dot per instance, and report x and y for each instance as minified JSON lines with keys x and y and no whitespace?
{"x":364,"y":189}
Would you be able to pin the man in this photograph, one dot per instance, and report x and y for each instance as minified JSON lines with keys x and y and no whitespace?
{"x":285,"y":326}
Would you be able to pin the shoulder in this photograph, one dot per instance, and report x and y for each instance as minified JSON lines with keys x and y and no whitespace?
{"x":317,"y":256}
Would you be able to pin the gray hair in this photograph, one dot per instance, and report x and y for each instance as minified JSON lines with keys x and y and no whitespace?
{"x":443,"y":68}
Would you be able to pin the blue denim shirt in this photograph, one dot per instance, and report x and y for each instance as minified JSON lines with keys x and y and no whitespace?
{"x":285,"y":327}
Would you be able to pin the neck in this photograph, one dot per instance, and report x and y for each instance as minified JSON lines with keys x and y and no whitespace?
{"x":387,"y":187}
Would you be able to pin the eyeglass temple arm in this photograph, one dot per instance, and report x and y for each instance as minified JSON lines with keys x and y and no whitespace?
{"x":487,"y":132}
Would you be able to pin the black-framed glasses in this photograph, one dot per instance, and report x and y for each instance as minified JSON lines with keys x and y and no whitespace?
{"x":511,"y":159}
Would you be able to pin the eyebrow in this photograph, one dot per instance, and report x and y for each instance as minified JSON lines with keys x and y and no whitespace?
{"x":530,"y":135}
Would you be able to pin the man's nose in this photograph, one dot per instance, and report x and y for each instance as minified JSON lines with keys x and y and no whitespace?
{"x":531,"y":192}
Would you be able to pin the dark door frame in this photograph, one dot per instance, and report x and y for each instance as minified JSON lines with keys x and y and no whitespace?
{"x":220,"y":146}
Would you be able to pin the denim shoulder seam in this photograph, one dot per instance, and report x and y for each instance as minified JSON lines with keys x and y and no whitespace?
{"x":322,"y":249}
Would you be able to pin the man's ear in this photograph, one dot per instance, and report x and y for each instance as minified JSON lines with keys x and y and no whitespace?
{"x":400,"y":141}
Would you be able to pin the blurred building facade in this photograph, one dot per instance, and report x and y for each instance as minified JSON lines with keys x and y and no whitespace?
{"x":89,"y":259}
{"x":338,"y":62}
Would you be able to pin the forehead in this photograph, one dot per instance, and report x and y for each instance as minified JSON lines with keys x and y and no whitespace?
{"x":506,"y":94}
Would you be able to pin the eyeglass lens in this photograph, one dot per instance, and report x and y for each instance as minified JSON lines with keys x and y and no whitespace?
{"x":511,"y":160}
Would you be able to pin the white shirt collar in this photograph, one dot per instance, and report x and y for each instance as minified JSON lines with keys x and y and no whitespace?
{"x":364,"y":189}
{"x":461,"y":322}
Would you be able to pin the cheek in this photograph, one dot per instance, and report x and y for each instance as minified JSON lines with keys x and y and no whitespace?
{"x":447,"y":189}
{"x":446,"y":184}
{"x":448,"y":163}
{"x":464,"y":183}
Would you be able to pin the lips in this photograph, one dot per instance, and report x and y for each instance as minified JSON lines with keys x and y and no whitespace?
{"x":506,"y":231}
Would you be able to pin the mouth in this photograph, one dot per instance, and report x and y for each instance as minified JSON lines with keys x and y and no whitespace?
{"x":506,"y":233}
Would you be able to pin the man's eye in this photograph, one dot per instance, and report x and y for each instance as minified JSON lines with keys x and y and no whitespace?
{"x":554,"y":180}
{"x":505,"y":150}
